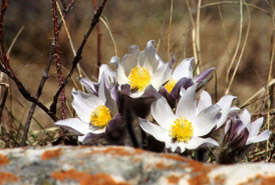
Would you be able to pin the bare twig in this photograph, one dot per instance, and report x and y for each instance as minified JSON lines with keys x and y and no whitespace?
{"x":43,"y":81}
{"x":78,"y":56}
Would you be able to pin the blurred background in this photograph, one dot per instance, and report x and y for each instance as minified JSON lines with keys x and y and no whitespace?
{"x":227,"y":32}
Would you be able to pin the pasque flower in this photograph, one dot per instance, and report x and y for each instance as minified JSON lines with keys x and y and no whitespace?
{"x":182,"y":76}
{"x":139,"y":69}
{"x":239,"y":134}
{"x":237,"y":124}
{"x":97,"y":115}
{"x":184,"y":128}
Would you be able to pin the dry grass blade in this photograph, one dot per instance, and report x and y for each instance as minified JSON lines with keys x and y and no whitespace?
{"x":195,"y":52}
{"x":238,"y":45}
{"x":169,"y":29}
{"x":270,"y":75}
{"x":70,"y":41}
{"x":110,"y":33}
{"x":235,"y":2}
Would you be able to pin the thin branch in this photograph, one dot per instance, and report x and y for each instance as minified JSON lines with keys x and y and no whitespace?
{"x":78,"y":56}
{"x":27,"y":95}
{"x":43,"y":80}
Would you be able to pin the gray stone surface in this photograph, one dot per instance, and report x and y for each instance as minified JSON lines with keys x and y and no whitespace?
{"x":120,"y":165}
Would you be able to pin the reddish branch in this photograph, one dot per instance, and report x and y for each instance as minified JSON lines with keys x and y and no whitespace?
{"x":44,"y":78}
{"x":3,"y":50}
{"x":78,"y":56}
{"x":57,"y":58}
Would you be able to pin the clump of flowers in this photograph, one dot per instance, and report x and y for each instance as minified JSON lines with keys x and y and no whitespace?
{"x":144,"y":98}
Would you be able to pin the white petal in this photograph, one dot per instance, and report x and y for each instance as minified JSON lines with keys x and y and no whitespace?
{"x":107,"y":72}
{"x":245,"y":117}
{"x":121,"y":77}
{"x":255,"y":126}
{"x":262,"y":137}
{"x":147,"y":58}
{"x":161,"y":76}
{"x":195,"y":142}
{"x":74,"y":124}
{"x":225,"y":103}
{"x":206,"y":120}
{"x":130,"y":60}
{"x":204,"y":102}
{"x":115,"y":61}
{"x":162,"y":113}
{"x":184,"y":69}
{"x":84,"y":104}
{"x":187,"y":103}
{"x":155,"y":130}
{"x":173,"y":146}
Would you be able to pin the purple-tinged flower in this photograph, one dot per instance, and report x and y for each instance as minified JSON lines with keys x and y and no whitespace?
{"x":185,"y":128}
{"x":235,"y":127}
{"x":239,"y":135}
{"x":182,"y":76}
{"x":97,"y":115}
{"x":106,"y":75}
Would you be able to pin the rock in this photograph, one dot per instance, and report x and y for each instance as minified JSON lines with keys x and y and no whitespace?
{"x":120,"y":166}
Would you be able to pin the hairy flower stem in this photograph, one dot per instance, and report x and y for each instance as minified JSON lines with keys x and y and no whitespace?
{"x":57,"y":57}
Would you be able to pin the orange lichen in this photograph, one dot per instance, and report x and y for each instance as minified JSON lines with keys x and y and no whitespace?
{"x":117,"y":151}
{"x":219,"y":180}
{"x":85,"y":178}
{"x":200,"y":171}
{"x":47,"y":155}
{"x":4,"y":160}
{"x":173,"y":179}
{"x":7,"y":177}
{"x":160,"y":165}
{"x":260,"y":180}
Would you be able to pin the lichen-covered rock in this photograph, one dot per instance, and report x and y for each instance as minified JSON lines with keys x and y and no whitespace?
{"x":121,"y":166}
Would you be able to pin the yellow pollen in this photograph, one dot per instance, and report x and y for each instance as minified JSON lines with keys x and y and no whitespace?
{"x":181,"y":130}
{"x":100,"y":116}
{"x":139,"y":78}
{"x":170,"y":84}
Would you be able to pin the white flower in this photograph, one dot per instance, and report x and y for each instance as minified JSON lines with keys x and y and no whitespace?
{"x":96,"y":115}
{"x":183,"y":129}
{"x":142,"y":68}
{"x":225,"y":104}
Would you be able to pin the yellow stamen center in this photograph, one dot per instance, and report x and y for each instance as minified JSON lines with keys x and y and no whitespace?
{"x":181,"y":130}
{"x":100,"y":116}
{"x":139,"y":78}
{"x":170,"y":84}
